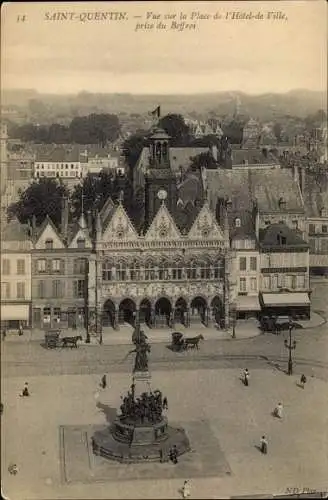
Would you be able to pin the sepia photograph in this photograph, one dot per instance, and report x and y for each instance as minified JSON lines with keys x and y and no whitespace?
{"x":164,"y":250}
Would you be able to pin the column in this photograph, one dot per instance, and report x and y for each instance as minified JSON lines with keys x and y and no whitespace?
{"x":152,"y":317}
{"x":187,"y":317}
{"x":137,"y":317}
{"x":116,"y":324}
{"x":207,"y":316}
{"x":171,"y":325}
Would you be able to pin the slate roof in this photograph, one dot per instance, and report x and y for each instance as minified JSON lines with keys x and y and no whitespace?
{"x":15,"y":231}
{"x":235,"y":186}
{"x":58,"y":154}
{"x":270,"y":235}
{"x":181,"y":157}
{"x":268,"y":187}
{"x":315,"y":193}
{"x":252,"y":157}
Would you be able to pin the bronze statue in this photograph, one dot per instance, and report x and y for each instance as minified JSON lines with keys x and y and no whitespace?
{"x":141,"y":359}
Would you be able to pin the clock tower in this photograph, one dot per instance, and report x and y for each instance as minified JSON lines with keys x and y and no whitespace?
{"x":159,"y":178}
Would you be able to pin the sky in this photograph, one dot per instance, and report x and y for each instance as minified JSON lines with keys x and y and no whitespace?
{"x":101,"y":55}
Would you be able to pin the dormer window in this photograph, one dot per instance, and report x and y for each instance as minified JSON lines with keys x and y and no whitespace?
{"x":237,"y":222}
{"x":324,"y":212}
{"x":49,"y":244}
{"x":81,"y":243}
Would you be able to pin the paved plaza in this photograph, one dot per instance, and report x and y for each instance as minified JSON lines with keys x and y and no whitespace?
{"x":48,"y":434}
{"x":223,"y":419}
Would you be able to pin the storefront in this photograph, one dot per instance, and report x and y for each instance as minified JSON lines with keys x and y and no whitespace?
{"x":247,"y":306}
{"x":294,"y":304}
{"x":15,"y":315}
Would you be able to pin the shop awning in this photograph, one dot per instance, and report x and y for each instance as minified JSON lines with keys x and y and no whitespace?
{"x":15,"y":312}
{"x":285,"y":299}
{"x":248,"y":303}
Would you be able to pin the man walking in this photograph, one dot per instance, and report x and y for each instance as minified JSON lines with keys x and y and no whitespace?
{"x":303,"y":380}
{"x":264,"y":445}
{"x":246,"y":377}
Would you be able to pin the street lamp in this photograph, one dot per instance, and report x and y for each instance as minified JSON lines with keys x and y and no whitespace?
{"x":290,"y":345}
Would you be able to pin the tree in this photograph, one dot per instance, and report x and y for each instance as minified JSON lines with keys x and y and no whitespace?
{"x":94,"y":129}
{"x":175,"y":126}
{"x":41,"y":198}
{"x":234,"y":131}
{"x":277,"y":129}
{"x":203,"y":160}
{"x":133,"y":146}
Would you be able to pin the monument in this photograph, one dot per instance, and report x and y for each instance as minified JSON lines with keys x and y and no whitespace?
{"x":140,"y":431}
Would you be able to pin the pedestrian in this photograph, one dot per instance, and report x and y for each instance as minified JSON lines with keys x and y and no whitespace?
{"x":20,"y":330}
{"x":185,"y":489}
{"x":173,"y":454}
{"x":246,"y":377}
{"x":25,"y":391}
{"x":103,"y":382}
{"x":13,"y":469}
{"x":264,"y":445}
{"x":303,"y":380}
{"x":4,"y":334}
{"x":165,"y":404}
{"x":278,"y":410}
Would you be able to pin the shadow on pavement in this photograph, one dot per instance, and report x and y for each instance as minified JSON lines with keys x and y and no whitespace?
{"x":109,"y":412}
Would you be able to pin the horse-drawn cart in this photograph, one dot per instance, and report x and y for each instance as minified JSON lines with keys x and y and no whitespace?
{"x":180,"y":343}
{"x":52,"y":339}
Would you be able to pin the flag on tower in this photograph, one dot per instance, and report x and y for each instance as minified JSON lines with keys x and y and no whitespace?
{"x":156,"y":112}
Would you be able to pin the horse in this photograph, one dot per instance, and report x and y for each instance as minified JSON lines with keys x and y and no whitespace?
{"x":193,"y":342}
{"x":71,"y":341}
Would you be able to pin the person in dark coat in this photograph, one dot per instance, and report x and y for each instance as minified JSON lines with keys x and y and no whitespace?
{"x":264,"y":445}
{"x":303,"y":380}
{"x":165,"y":405}
{"x":246,"y":377}
{"x":25,"y":391}
{"x":103,"y":382}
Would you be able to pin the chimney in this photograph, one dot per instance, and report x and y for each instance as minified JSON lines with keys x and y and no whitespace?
{"x":215,"y":152}
{"x":64,"y":217}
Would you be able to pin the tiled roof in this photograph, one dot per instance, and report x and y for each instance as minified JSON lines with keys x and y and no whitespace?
{"x":269,"y":237}
{"x":190,"y":190}
{"x":315,"y":193}
{"x":185,"y":215}
{"x":107,"y":212}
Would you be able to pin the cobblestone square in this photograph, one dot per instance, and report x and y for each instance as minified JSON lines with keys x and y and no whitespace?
{"x":234,"y":418}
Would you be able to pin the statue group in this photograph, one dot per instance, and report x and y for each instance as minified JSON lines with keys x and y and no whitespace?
{"x":146,"y":409}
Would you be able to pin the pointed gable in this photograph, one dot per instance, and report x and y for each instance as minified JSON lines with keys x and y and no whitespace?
{"x":205,"y":226}
{"x":80,"y":234}
{"x":120,"y":227}
{"x":48,"y":232}
{"x":163,"y":226}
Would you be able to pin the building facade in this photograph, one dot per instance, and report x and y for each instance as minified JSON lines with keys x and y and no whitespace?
{"x":60,"y":261}
{"x":16,"y":280}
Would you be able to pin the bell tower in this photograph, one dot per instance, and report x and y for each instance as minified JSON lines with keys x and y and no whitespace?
{"x":159,"y":176}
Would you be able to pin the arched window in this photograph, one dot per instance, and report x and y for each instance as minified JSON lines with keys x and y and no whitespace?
{"x":177,"y":270}
{"x":80,"y":243}
{"x":163,"y":272}
{"x":149,"y":271}
{"x":237,"y":222}
{"x":217,"y":270}
{"x":135,"y":271}
{"x":49,"y":244}
{"x":121,"y":274}
{"x":107,"y":271}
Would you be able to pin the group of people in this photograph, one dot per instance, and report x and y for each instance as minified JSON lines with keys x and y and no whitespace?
{"x":146,"y":408}
{"x":278,"y":411}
